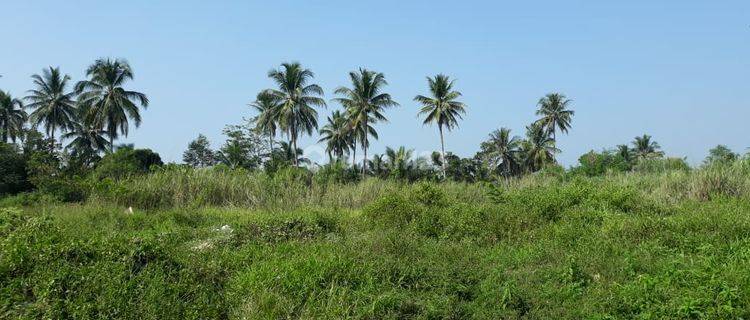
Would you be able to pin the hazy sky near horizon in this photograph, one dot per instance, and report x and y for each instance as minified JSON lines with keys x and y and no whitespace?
{"x":677,"y":70}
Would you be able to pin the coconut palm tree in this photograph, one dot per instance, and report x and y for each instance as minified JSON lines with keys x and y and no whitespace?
{"x":87,"y":141}
{"x":336,"y":134}
{"x":108,"y":104}
{"x":365,"y":103}
{"x":377,"y":165}
{"x":290,"y":155}
{"x":12,"y":117}
{"x":267,"y":105}
{"x":553,"y":109}
{"x":644,"y":147}
{"x":297,"y":99}
{"x":502,"y":150}
{"x":52,"y":104}
{"x":540,"y":148}
{"x":441,"y":107}
{"x":625,"y":152}
{"x":399,"y":162}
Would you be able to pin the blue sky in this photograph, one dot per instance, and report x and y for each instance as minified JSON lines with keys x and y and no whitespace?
{"x":677,"y":70}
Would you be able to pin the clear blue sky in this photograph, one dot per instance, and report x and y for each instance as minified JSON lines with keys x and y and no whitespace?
{"x":678,"y":70}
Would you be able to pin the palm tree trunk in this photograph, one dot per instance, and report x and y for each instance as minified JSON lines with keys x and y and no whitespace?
{"x":354,"y":156}
{"x":293,"y":140}
{"x":364,"y":146}
{"x":270,"y":143}
{"x":111,"y":143}
{"x":52,"y":142}
{"x":442,"y":149}
{"x":294,"y":151}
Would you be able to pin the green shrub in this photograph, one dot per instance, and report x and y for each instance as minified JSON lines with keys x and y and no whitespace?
{"x":13,"y":174}
{"x":393,"y":210}
{"x":126,"y":162}
{"x":599,"y":163}
{"x":428,"y":194}
{"x":660,"y":165}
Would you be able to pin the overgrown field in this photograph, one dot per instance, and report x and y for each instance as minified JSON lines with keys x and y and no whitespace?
{"x":213,"y":245}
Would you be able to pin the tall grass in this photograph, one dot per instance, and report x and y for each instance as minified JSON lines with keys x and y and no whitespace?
{"x":185,"y":187}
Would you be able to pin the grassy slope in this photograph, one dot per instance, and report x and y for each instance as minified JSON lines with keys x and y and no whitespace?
{"x":583,"y":249}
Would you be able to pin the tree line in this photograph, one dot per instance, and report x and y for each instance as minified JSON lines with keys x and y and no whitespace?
{"x":91,"y":114}
{"x":291,"y":108}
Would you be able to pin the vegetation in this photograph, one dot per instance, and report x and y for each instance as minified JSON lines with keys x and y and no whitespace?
{"x":255,"y":230}
{"x":441,"y":108}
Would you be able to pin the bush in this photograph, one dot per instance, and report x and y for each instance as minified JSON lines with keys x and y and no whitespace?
{"x":599,"y":163}
{"x":394,"y":210}
{"x":336,"y":172}
{"x":13,"y":176}
{"x":126,"y":162}
{"x":660,"y":165}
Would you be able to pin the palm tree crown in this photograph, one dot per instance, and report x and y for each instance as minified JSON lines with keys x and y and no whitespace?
{"x":267,"y":106}
{"x":12,"y":117}
{"x":52,"y":105}
{"x":337,"y":135}
{"x":502,"y":151}
{"x":87,"y":141}
{"x":398,"y":161}
{"x":644,"y":147}
{"x":553,"y":109}
{"x":106,"y":102}
{"x":442,"y":107}
{"x":365,"y":103}
{"x":297,"y":99}
{"x":540,"y":147}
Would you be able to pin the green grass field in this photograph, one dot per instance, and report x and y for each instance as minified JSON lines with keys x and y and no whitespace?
{"x":635,"y":246}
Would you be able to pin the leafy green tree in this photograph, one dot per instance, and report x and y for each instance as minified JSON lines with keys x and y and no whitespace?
{"x":502,"y":151}
{"x":595,"y":163}
{"x":243,"y":148}
{"x":462,"y":169}
{"x":365,"y":102}
{"x":337,"y":135}
{"x":554,"y":112}
{"x":126,"y":161}
{"x":266,"y":122}
{"x":644,"y":148}
{"x":539,"y":149}
{"x":297,"y":97}
{"x":720,"y":154}
{"x":106,"y":102}
{"x":441,"y":107}
{"x":199,"y":153}
{"x":12,"y":117}
{"x":13,"y":174}
{"x":53,"y":105}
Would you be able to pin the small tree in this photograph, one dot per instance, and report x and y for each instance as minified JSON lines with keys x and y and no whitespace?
{"x":244,"y":148}
{"x":720,"y":154}
{"x":199,"y":153}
